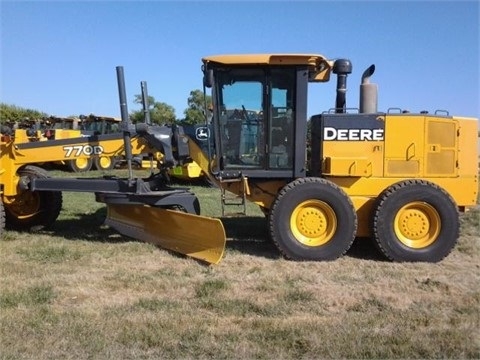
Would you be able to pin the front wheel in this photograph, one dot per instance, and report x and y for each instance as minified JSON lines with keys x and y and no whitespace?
{"x":32,"y":210}
{"x":415,"y":220}
{"x":312,"y":219}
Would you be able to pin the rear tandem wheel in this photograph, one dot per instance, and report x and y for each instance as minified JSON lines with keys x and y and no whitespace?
{"x":80,"y":164}
{"x":415,"y":220}
{"x":312,"y":219}
{"x":33,"y":210}
{"x":104,"y":163}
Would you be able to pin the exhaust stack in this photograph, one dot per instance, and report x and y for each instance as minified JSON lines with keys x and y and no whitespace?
{"x":368,"y":93}
{"x":341,"y":67}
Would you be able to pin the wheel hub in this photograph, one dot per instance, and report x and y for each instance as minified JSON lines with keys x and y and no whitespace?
{"x":414,"y":224}
{"x":25,"y":205}
{"x":417,"y":225}
{"x":82,"y":163}
{"x":313,"y":223}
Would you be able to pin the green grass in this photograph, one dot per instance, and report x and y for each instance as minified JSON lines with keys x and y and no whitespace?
{"x":82,"y":291}
{"x":32,"y":296}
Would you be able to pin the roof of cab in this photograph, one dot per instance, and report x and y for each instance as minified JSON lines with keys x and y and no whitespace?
{"x":319,"y":66}
{"x":267,"y":59}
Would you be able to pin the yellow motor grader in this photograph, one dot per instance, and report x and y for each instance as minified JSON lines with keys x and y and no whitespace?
{"x":56,"y":128}
{"x":400,"y":178}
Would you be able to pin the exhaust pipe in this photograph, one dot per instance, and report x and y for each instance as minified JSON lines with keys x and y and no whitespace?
{"x":341,"y":67}
{"x":368,"y":93}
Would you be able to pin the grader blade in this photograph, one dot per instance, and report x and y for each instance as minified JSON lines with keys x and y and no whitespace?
{"x":196,"y":236}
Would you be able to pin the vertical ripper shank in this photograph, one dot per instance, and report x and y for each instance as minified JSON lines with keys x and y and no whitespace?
{"x":125,"y":120}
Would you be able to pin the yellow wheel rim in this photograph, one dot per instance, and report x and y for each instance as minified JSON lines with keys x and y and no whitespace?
{"x":82,"y":163}
{"x":104,"y":162}
{"x":313,"y":223}
{"x":417,"y":225}
{"x":25,"y":205}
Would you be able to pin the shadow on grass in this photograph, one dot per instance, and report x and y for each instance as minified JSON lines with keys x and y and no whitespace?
{"x":246,"y":235}
{"x":249,"y":235}
{"x":86,"y":227}
{"x":201,"y":182}
{"x":365,"y":249}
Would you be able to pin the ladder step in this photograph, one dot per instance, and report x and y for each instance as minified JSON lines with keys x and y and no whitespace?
{"x":234,"y":199}
{"x":232,"y":202}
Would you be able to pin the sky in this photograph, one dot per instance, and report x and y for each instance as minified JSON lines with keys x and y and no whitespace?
{"x":60,"y":57}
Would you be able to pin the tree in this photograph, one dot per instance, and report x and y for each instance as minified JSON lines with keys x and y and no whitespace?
{"x":195,"y":113}
{"x":160,"y":113}
{"x":10,"y":114}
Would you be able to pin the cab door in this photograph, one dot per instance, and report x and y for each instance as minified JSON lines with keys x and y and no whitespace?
{"x":255,"y":113}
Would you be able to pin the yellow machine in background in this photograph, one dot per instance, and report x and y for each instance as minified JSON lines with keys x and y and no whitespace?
{"x":99,"y":125}
{"x":86,"y":126}
{"x":400,"y":178}
{"x":57,"y":128}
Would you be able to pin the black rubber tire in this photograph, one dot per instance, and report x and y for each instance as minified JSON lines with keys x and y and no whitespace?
{"x":286,"y":227}
{"x":79,"y":166}
{"x":35,"y":210}
{"x":101,"y":163}
{"x":430,"y":218}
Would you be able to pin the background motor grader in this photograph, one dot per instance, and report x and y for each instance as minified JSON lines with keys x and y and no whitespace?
{"x":56,"y":128}
{"x":401,"y":178}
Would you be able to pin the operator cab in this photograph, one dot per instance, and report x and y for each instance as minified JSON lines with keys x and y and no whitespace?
{"x":255,"y":110}
{"x":259,"y":113}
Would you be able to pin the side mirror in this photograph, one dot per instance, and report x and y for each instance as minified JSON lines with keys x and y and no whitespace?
{"x":207,"y":78}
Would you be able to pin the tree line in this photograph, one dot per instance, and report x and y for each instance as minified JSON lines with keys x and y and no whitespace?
{"x":160,"y":112}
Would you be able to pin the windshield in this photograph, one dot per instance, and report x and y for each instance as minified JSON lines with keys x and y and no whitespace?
{"x":255,"y":110}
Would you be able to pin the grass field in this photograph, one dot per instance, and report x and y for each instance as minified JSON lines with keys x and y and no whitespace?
{"x":81,"y":291}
